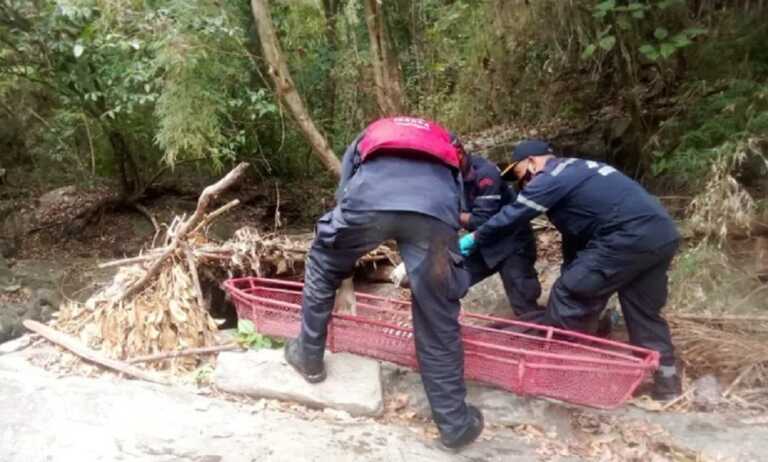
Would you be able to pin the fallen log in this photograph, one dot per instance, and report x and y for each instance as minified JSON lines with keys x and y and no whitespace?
{"x":73,"y":345}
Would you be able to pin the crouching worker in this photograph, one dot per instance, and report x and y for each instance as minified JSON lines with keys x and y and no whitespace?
{"x":400,"y":180}
{"x":616,"y":238}
{"x":514,"y":255}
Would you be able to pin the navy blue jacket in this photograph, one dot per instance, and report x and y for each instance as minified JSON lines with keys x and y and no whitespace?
{"x":399,"y":184}
{"x":485,"y":193}
{"x":592,"y":204}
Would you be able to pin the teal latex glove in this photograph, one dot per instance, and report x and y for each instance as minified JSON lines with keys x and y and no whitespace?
{"x":467,"y":244}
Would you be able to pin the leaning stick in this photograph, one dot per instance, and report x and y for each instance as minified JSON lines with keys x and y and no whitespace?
{"x":72,"y":344}
{"x":208,"y":194}
{"x":187,"y":352}
{"x":211,"y":216}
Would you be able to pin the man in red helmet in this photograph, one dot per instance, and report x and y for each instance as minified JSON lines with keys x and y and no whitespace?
{"x":400,"y":180}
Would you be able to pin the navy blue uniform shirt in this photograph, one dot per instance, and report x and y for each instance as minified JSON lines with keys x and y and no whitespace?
{"x":591,"y":204}
{"x":399,"y":184}
{"x":485,"y":193}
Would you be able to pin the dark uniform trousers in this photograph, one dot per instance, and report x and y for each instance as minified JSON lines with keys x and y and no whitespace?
{"x":521,"y":283}
{"x":434,"y":265}
{"x":640,"y":278}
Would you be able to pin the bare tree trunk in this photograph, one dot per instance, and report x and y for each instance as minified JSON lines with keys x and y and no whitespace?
{"x":286,"y":89}
{"x":330,"y":11}
{"x":386,"y":69}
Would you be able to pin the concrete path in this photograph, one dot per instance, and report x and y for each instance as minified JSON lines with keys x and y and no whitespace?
{"x":48,"y":418}
{"x":45,"y":418}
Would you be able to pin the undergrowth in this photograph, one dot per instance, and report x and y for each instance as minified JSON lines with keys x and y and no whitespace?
{"x":706,"y":280}
{"x":711,"y":125}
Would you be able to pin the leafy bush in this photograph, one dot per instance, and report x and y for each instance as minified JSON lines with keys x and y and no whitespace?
{"x":248,"y":337}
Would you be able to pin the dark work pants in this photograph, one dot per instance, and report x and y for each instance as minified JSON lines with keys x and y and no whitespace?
{"x":521,"y":283}
{"x":640,"y":278}
{"x":429,"y":249}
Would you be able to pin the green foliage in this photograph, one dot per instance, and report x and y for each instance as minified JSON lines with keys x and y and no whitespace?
{"x":205,"y":107}
{"x":633,"y":22}
{"x":166,"y":79}
{"x":248,"y":337}
{"x":170,"y":80}
{"x":736,"y":112}
{"x":737,"y":48}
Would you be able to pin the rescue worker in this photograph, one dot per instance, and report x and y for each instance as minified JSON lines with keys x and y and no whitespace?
{"x":400,"y":180}
{"x":616,"y":238}
{"x":514,"y":255}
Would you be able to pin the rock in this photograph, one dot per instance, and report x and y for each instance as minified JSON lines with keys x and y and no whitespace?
{"x":8,"y":248}
{"x":10,"y":323}
{"x":39,"y":274}
{"x":487,"y":297}
{"x":56,"y":197}
{"x":15,"y":345}
{"x":708,"y":392}
{"x":353,"y":384}
{"x":379,"y":290}
{"x":6,"y":275}
{"x":44,"y":303}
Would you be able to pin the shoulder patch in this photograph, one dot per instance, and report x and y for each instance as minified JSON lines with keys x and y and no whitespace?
{"x":484,"y":182}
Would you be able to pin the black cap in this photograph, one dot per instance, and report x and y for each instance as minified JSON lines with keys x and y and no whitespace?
{"x":526,"y":149}
{"x":530,"y":148}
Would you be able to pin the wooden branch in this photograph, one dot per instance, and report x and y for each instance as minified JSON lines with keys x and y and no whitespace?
{"x":127,"y":261}
{"x":195,"y":277}
{"x":73,"y":345}
{"x":186,"y":352}
{"x":209,"y":193}
{"x":212,"y":216}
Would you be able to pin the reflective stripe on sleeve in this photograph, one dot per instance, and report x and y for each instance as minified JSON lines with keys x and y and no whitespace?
{"x":561,"y":166}
{"x":489,"y":197}
{"x":529,"y":203}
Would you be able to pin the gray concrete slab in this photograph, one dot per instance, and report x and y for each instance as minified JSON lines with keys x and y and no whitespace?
{"x":353,"y":384}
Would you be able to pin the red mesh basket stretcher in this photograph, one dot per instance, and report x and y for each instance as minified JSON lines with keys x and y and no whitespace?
{"x":549,"y":362}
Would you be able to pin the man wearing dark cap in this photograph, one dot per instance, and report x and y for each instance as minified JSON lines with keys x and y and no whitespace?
{"x":400,"y":180}
{"x":616,"y":238}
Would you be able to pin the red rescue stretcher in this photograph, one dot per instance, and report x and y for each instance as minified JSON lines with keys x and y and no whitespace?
{"x":543,"y":361}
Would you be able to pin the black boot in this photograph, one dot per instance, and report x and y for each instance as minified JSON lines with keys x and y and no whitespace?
{"x":313,"y":370}
{"x":470,"y":434}
{"x":666,"y":388}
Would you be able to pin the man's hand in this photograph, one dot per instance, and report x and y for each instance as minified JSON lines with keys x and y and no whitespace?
{"x":467,"y":244}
